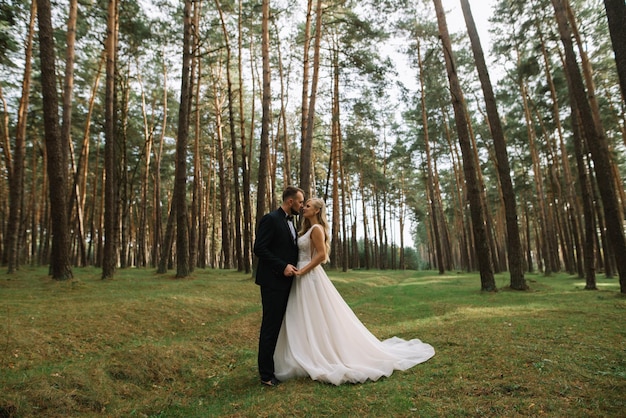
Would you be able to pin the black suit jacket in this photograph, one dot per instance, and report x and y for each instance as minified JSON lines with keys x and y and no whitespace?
{"x":275,"y":248}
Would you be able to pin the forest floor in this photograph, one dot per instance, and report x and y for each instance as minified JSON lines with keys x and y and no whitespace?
{"x":148,"y":345}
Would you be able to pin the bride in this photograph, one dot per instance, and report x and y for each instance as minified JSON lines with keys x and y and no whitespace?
{"x":320,"y":336}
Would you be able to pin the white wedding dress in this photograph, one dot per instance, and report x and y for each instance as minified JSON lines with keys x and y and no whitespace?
{"x":321,"y":337}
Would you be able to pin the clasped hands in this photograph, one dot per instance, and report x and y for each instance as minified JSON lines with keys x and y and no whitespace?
{"x":290,"y":270}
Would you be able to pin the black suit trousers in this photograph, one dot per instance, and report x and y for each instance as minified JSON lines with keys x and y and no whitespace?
{"x":274,"y":306}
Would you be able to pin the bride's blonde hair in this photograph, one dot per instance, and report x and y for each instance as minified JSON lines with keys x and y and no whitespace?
{"x":318,"y":203}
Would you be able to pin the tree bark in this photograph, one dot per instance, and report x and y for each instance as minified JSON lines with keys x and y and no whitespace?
{"x":307,"y":142}
{"x":483,"y":252}
{"x":571,"y":196}
{"x":337,"y":249}
{"x":56,"y":148}
{"x":157,"y":213}
{"x":233,"y":140}
{"x":111,"y":197}
{"x":598,"y":146}
{"x":168,"y":240}
{"x":197,"y":199}
{"x":466,"y":254}
{"x":304,"y":111}
{"x":264,"y":149}
{"x":79,"y":188}
{"x":184,"y":113}
{"x":245,"y":171}
{"x":366,"y":240}
{"x":616,"y":16}
{"x":434,"y":211}
{"x":196,"y":188}
{"x":218,"y":105}
{"x":344,"y":208}
{"x":125,"y":189}
{"x":514,"y":245}
{"x":584,"y":183}
{"x":544,"y":236}
{"x":142,"y":236}
{"x":15,"y":164}
{"x":68,"y":80}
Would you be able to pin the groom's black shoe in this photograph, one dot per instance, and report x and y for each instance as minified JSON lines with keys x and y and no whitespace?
{"x":272,"y":382}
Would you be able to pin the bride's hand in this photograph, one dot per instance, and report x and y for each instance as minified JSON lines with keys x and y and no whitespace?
{"x":290,"y":270}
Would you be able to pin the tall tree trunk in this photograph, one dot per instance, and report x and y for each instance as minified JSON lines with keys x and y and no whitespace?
{"x":571,"y":197}
{"x":56,"y":148}
{"x":35,"y":212}
{"x":196,"y":250}
{"x":111,"y":196}
{"x":481,"y":243}
{"x":6,"y":139}
{"x":196,"y":188}
{"x":355,"y":263}
{"x":598,"y":146}
{"x":382,"y":203}
{"x":245,"y":172}
{"x":142,"y":236}
{"x":514,"y":245}
{"x":584,"y":183}
{"x":337,"y":249}
{"x":68,"y":80}
{"x":306,"y":46}
{"x":605,"y":256}
{"x":444,"y":229}
{"x":184,"y":113}
{"x":529,"y":253}
{"x":96,"y":204}
{"x":123,"y":206}
{"x":79,"y":188}
{"x":366,"y":240}
{"x":44,"y":236}
{"x":544,"y":236}
{"x":548,"y":187}
{"x":306,"y":150}
{"x":434,"y":211}
{"x":464,"y":241}
{"x":282,"y":136}
{"x":214,"y":247}
{"x":218,"y":104}
{"x":587,"y":72}
{"x":616,"y":15}
{"x":481,"y":186}
{"x":168,"y":240}
{"x":233,"y":141}
{"x":157,"y":213}
{"x":264,"y":148}
{"x":15,"y":165}
{"x":345,"y":263}
{"x":401,"y":216}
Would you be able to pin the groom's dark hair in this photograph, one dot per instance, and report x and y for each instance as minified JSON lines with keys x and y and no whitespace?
{"x":291,"y":191}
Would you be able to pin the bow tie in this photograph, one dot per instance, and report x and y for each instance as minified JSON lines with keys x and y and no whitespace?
{"x":290,"y":217}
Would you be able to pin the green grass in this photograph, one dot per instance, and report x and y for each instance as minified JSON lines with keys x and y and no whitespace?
{"x":149,"y":345}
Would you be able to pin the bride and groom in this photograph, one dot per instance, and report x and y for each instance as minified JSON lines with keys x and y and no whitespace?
{"x":307,"y":328}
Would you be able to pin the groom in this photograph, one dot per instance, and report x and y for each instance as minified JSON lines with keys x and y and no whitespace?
{"x":277,"y":250}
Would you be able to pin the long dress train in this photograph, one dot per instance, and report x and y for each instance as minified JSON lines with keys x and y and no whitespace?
{"x":321,"y":337}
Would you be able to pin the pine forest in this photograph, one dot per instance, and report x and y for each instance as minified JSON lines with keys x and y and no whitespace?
{"x":156,"y":133}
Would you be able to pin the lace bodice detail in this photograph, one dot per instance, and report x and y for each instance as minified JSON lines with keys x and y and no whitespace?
{"x":304,"y":246}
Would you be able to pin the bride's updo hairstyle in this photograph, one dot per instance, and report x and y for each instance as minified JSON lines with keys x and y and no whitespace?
{"x":318,"y":203}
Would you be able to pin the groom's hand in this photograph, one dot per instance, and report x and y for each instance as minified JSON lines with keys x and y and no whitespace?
{"x":290,"y":270}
